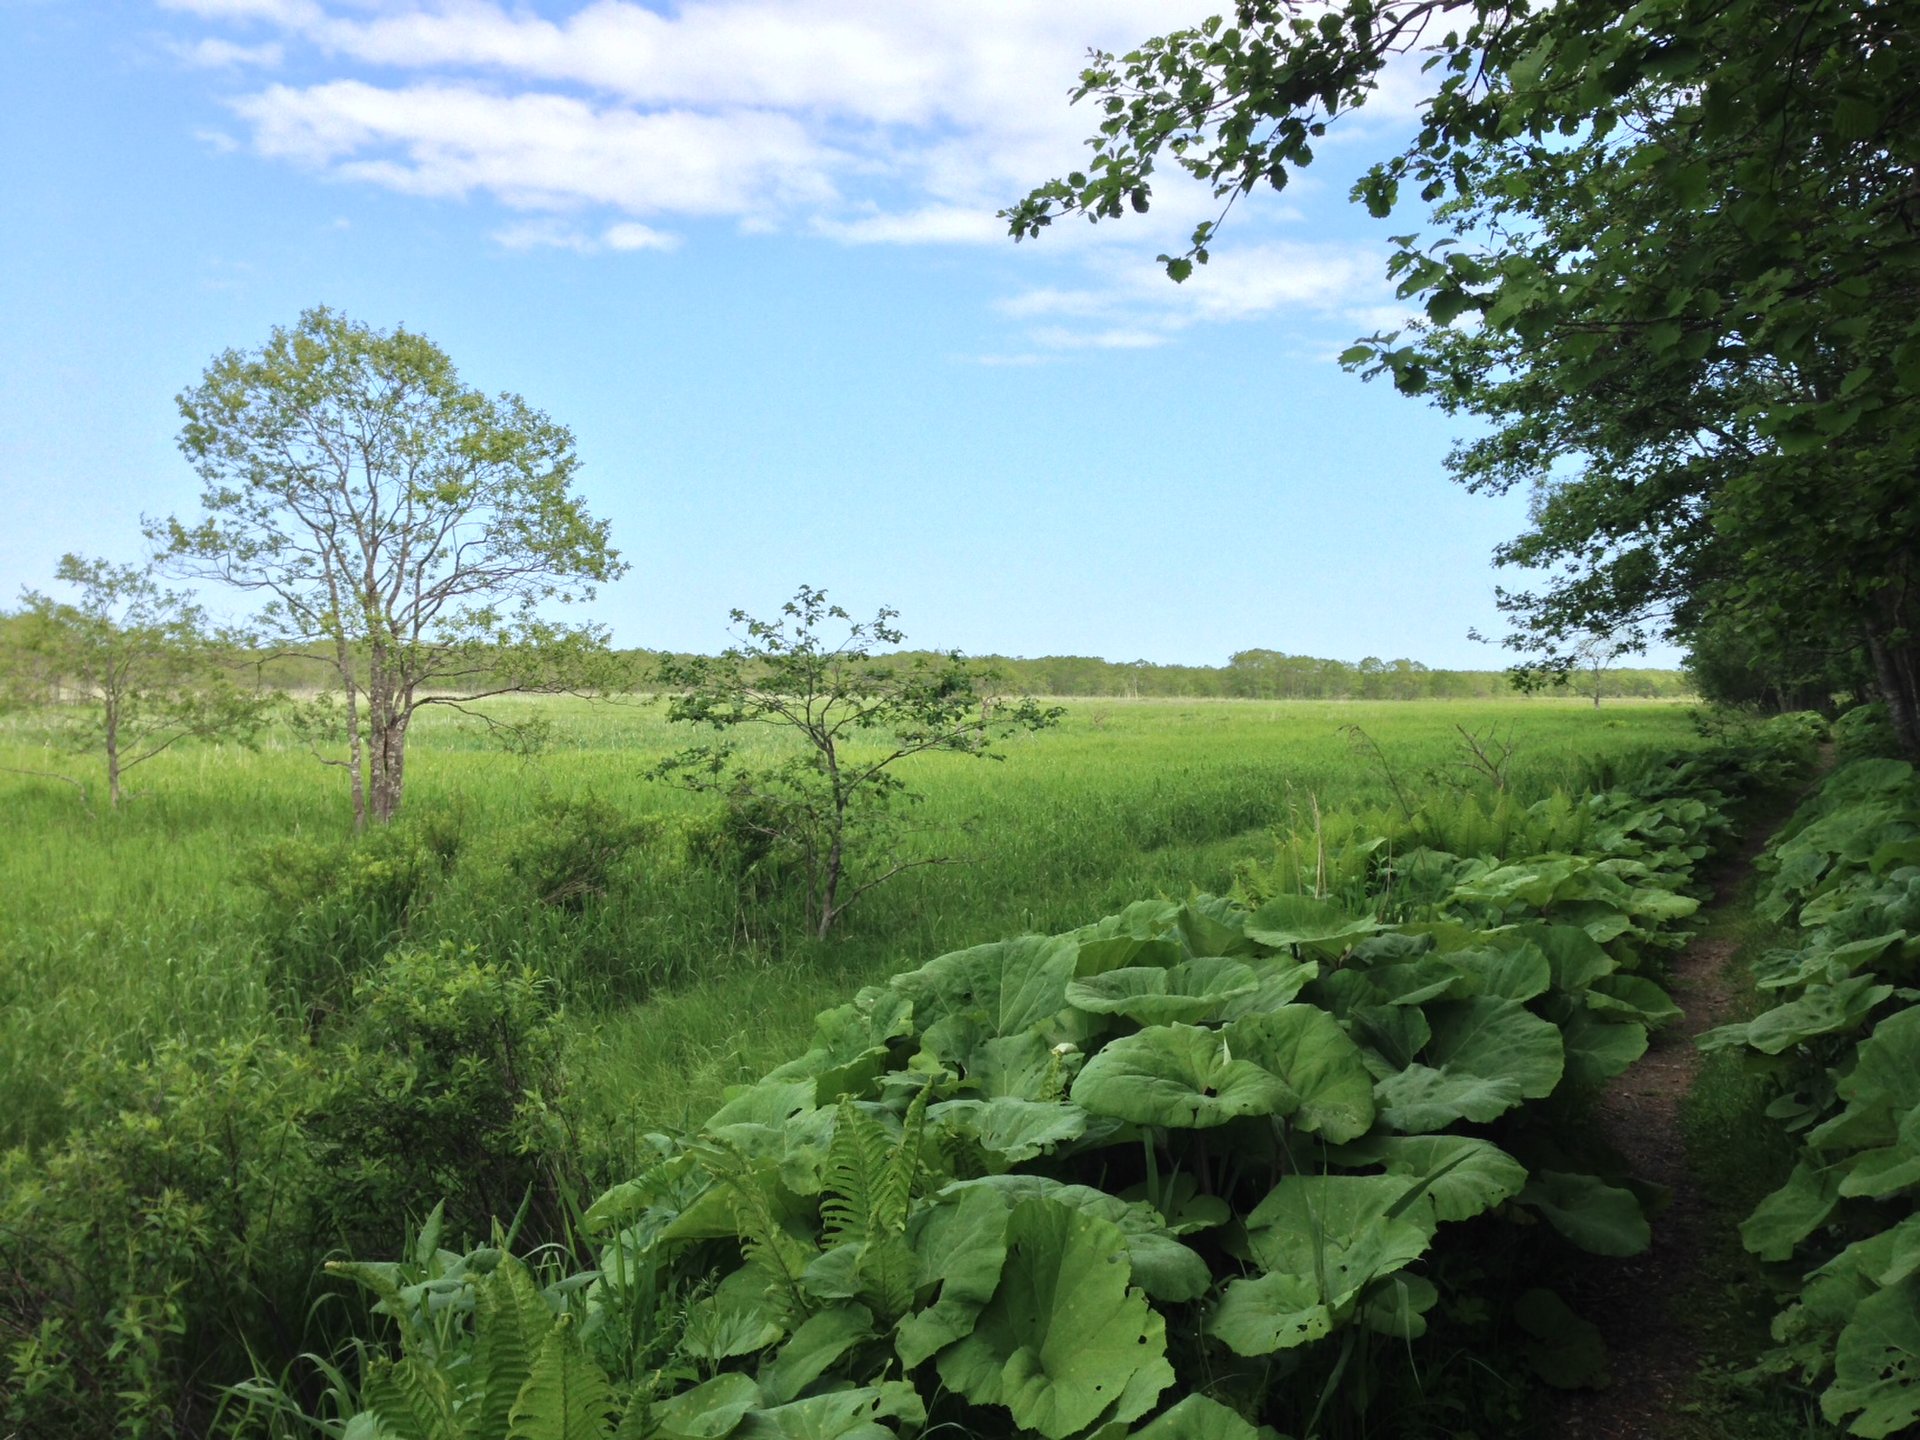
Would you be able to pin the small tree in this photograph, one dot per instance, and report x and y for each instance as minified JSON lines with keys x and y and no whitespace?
{"x":834,"y":809}
{"x":410,"y":527}
{"x":128,"y":669}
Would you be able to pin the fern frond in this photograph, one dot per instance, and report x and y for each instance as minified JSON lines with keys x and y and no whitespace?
{"x":413,"y":1400}
{"x":511,"y":1321}
{"x":767,"y":1244}
{"x":893,"y":1196}
{"x":566,"y":1396}
{"x":855,"y":1173}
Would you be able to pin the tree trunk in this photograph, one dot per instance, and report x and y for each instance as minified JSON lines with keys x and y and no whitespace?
{"x":113,"y":755}
{"x":1896,"y":669}
{"x":390,"y":765}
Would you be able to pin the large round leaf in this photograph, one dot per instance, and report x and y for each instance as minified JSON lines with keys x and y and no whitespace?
{"x":1064,"y":1334}
{"x":1876,"y":1366}
{"x":1276,"y":1311}
{"x":1179,"y":1075}
{"x":1601,"y":1219}
{"x":1463,"y":1176}
{"x":1306,"y":1048}
{"x":1344,"y":1231}
{"x":1191,"y":991}
{"x":1162,"y":1266}
{"x":1289,"y":920}
{"x":1013,"y":984}
{"x":1011,"y":1128}
{"x":1485,"y":1057}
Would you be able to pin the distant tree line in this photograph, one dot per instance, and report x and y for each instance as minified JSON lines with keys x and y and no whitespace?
{"x":1274,"y":675}
{"x":1247,"y":675}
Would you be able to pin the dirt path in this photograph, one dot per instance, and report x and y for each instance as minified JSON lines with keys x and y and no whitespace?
{"x":1653,"y":1357}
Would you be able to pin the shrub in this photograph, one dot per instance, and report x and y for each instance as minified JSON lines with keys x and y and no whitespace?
{"x":173,"y":1242}
{"x":448,"y":1086}
{"x":574,"y":851}
{"x":332,"y":908}
{"x":145,"y":1251}
{"x":1864,"y":732}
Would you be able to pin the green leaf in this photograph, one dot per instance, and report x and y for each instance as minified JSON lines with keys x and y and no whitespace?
{"x":511,"y":1321}
{"x":814,"y":1348}
{"x":1340,"y":1231}
{"x":1791,"y":1213}
{"x":1191,"y":991}
{"x":1601,"y":1219}
{"x":1163,"y":1267}
{"x":1306,"y":1048}
{"x":1876,"y":1366}
{"x":1288,"y":920}
{"x":1597,"y":1049}
{"x":1279,"y":1310}
{"x":1470,"y":1176}
{"x":735,"y":1319}
{"x":1197,"y":1417}
{"x":1063,"y":1334}
{"x":1563,"y":1349}
{"x":1014,"y":984}
{"x":960,"y":1244}
{"x":1013,"y":1129}
{"x":1485,"y":1057}
{"x":1180,"y":1075}
{"x":708,"y":1411}
{"x":566,"y":1396}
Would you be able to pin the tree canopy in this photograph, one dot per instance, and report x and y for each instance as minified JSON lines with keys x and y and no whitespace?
{"x":413,"y":526}
{"x":1670,"y":258}
{"x":125,"y":668}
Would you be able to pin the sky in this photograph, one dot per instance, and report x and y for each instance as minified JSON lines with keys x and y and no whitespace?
{"x":747,"y":251}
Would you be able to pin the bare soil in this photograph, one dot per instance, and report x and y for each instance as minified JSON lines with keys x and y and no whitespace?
{"x":1653,"y":1356}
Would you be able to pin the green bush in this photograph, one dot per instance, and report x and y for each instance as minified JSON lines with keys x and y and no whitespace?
{"x":1864,"y":732}
{"x":156,"y":1241}
{"x":330,"y":909}
{"x":447,"y":1086}
{"x":576,"y":851}
{"x":173,"y":1242}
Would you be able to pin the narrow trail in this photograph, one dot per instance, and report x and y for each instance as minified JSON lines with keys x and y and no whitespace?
{"x":1653,"y":1356}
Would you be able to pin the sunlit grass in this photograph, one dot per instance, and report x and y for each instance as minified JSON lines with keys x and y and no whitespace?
{"x":118,"y":929}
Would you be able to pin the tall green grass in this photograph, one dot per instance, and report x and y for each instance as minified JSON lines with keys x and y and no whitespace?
{"x":120,"y":929}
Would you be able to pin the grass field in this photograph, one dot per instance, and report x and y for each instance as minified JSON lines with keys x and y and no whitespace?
{"x":122,"y":929}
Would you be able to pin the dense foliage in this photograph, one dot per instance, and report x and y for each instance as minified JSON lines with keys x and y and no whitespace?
{"x":1200,"y":1166}
{"x":1673,"y":265}
{"x":1842,"y":1048}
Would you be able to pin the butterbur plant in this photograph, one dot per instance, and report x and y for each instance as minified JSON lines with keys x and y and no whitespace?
{"x":1199,"y":1169}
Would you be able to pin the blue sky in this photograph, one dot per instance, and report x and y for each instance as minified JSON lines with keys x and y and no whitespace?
{"x":746,"y":249}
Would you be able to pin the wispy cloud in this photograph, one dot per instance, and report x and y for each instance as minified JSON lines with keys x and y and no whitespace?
{"x":856,"y":123}
{"x":548,"y":234}
{"x":217,"y":54}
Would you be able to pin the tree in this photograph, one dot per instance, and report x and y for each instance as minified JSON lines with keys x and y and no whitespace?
{"x":129,"y":669}
{"x":1675,"y":271}
{"x":834,"y":808}
{"x":411,"y":527}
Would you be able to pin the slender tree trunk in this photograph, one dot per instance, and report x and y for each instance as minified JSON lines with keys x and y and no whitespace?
{"x":113,"y":755}
{"x":356,"y":772}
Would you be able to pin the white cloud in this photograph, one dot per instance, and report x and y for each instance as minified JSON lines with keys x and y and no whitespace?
{"x":1058,"y":337}
{"x":215,"y":54}
{"x":857,"y":122}
{"x":1132,"y":303}
{"x":541,"y":151}
{"x":548,"y":234}
{"x":289,"y":13}
{"x":631,"y":235}
{"x":935,"y":224}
